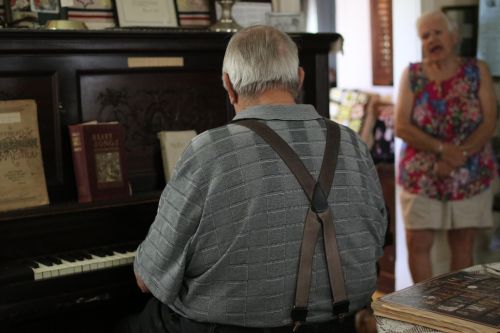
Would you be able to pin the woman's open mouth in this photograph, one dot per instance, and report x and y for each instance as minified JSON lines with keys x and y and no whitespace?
{"x":435,"y":49}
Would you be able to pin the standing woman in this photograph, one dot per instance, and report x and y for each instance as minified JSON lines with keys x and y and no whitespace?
{"x":446,"y":115}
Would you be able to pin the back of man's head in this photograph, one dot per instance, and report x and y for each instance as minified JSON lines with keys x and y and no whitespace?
{"x":260,"y":58}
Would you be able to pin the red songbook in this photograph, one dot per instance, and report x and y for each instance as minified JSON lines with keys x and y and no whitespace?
{"x":99,"y":161}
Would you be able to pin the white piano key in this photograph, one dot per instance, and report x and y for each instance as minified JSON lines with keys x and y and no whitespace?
{"x":86,"y":265}
{"x":41,"y":272}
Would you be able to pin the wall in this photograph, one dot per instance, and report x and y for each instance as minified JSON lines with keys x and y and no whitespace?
{"x":352,"y":21}
{"x":354,"y":72}
{"x":406,"y":50}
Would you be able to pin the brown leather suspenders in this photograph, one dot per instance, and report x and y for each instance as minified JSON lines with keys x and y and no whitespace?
{"x":319,"y":216}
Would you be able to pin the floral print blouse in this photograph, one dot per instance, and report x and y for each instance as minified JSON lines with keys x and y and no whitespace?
{"x":449,"y":111}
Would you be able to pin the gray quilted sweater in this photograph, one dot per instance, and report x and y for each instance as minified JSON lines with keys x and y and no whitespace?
{"x":225,"y":242}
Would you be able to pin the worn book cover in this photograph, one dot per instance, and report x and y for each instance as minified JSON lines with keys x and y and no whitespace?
{"x":99,"y":161}
{"x":464,"y":301}
{"x":22,"y":177}
{"x":172,"y":144}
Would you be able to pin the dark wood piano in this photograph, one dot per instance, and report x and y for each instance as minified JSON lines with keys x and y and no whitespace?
{"x":66,"y":267}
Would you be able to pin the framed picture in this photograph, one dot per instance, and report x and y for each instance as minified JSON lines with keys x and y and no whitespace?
{"x":19,"y":14}
{"x":45,"y":6}
{"x":382,"y":50}
{"x":247,"y":13}
{"x":466,"y":19}
{"x":195,"y":13}
{"x":152,"y":13}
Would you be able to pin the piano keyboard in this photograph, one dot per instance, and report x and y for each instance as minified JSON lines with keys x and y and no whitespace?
{"x":68,"y":263}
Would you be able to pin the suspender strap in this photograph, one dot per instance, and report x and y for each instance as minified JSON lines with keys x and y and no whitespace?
{"x":319,"y":215}
{"x":285,"y":152}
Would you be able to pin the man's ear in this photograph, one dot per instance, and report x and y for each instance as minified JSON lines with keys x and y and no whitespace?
{"x":302,"y":75}
{"x":233,"y":97}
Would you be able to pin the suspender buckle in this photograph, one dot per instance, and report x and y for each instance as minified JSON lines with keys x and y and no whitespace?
{"x":299,"y":314}
{"x":341,"y":308}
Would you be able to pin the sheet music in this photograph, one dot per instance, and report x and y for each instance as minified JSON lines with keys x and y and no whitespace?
{"x":489,"y":34}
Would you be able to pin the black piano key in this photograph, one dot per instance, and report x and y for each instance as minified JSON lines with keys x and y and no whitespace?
{"x":67,"y":256}
{"x":121,"y":249}
{"x":30,"y":263}
{"x":99,"y":252}
{"x":48,"y":261}
{"x":87,"y":254}
{"x":108,"y":250}
{"x":82,"y":255}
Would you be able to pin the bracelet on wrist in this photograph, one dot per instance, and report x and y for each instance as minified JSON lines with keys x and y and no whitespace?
{"x":440,"y":149}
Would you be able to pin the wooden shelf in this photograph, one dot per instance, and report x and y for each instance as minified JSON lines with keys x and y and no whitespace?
{"x":74,"y":207}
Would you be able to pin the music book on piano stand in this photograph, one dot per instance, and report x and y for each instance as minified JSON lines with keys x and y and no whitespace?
{"x":99,"y":163}
{"x":22,"y":175}
{"x":172,"y":144}
{"x":465,"y":301}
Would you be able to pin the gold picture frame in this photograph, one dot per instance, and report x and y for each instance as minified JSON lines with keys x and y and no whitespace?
{"x":153,"y":13}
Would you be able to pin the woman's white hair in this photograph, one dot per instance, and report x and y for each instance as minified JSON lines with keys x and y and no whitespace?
{"x":259,"y":58}
{"x":451,"y":24}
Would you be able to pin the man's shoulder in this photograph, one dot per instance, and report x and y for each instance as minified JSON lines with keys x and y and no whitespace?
{"x":347,"y":132}
{"x":209,"y":136}
{"x":215,"y":139}
{"x":351,"y":143}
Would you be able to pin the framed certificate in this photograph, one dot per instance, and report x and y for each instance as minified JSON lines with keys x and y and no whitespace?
{"x":195,"y":13}
{"x":151,"y":13}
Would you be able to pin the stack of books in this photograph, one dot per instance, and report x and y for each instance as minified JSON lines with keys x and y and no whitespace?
{"x":463,"y":301}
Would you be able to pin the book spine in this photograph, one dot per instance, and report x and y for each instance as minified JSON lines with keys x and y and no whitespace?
{"x":80,"y":164}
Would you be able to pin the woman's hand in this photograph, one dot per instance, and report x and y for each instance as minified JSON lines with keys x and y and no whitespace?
{"x":453,"y":155}
{"x":442,"y":169}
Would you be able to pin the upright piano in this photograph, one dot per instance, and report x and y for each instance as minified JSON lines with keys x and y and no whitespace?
{"x":66,"y":267}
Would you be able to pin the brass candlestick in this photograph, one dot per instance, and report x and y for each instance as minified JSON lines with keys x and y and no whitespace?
{"x":226,"y":22}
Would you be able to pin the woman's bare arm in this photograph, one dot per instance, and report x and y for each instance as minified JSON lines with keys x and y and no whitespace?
{"x":484,"y":132}
{"x":414,"y":136}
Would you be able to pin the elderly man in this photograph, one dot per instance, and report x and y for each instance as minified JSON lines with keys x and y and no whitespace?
{"x":223,"y":253}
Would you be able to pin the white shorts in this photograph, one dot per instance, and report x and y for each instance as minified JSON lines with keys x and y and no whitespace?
{"x":420,"y":212}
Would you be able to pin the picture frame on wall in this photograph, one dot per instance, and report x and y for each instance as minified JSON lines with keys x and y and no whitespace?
{"x":466,"y":18}
{"x":195,"y":13}
{"x":152,"y":13}
{"x":382,"y":42}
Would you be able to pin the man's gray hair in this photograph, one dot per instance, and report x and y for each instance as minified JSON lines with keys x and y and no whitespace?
{"x":260,"y":58}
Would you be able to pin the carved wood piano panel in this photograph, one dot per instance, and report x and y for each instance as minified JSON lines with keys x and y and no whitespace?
{"x":149,"y":80}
